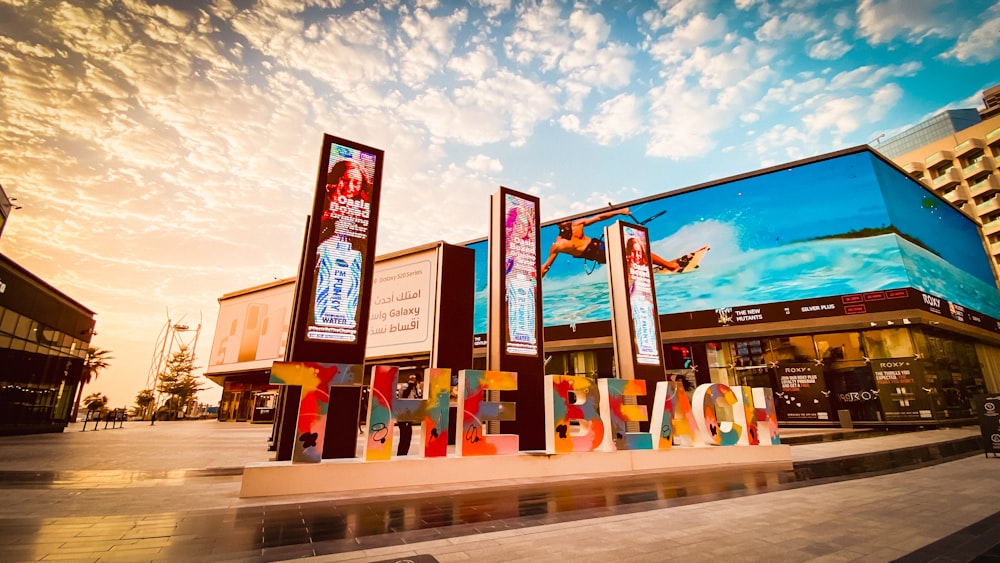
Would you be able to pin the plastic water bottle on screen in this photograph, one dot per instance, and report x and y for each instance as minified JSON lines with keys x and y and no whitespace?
{"x":338,"y":288}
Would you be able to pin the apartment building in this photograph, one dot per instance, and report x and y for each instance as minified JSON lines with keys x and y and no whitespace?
{"x":961,"y":167}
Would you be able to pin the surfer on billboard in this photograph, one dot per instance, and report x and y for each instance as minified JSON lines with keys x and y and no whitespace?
{"x":573,"y":241}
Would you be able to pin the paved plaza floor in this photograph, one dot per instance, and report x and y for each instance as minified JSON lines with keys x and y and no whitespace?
{"x":169,"y":492}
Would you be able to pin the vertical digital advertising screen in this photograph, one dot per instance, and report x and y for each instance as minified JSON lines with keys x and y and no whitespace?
{"x":642,"y":305}
{"x":336,"y":271}
{"x":514,"y":338}
{"x":520,"y":246}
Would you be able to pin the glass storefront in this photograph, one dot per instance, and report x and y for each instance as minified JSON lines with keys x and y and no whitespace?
{"x":912,"y":374}
{"x":39,"y":371}
{"x":591,"y":363}
{"x":239,"y":397}
{"x":44,"y":337}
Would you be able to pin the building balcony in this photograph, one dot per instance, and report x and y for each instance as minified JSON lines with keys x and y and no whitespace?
{"x":956,"y":197}
{"x":987,"y":207}
{"x":991,"y":227}
{"x":977,"y":170}
{"x":938,"y":157}
{"x":993,"y":135}
{"x":985,"y":187}
{"x":969,"y":146}
{"x":951,"y":178}
{"x":915,"y":170}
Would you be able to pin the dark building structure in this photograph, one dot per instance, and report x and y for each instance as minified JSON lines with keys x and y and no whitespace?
{"x":44,"y":336}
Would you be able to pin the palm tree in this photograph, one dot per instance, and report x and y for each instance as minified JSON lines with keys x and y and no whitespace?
{"x":143,"y":401}
{"x":95,"y":401}
{"x":96,"y":360}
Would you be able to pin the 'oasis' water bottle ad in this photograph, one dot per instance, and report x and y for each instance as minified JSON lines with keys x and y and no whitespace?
{"x":343,"y":242}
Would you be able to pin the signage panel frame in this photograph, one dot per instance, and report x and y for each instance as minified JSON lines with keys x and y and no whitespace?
{"x":635,"y":321}
{"x":515,"y":284}
{"x":335,"y":275}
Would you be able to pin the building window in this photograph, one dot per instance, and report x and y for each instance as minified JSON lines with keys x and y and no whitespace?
{"x":888,"y":343}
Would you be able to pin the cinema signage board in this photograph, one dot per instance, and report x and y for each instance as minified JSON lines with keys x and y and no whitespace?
{"x":578,"y":412}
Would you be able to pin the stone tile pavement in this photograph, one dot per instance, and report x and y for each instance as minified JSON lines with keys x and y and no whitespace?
{"x":169,"y":492}
{"x":874,"y":519}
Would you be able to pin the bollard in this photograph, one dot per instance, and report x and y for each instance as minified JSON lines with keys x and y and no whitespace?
{"x":844,"y":416}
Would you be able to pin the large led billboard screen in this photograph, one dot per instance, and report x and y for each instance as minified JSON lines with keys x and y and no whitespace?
{"x":846,"y":225}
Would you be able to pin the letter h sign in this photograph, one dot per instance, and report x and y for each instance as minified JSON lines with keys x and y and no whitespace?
{"x":385,"y":408}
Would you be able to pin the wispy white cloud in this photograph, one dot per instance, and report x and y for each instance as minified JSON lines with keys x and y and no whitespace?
{"x":841,"y":116}
{"x":700,"y":30}
{"x":792,"y":26}
{"x":790,"y":91}
{"x":871,"y":76}
{"x":829,"y":49}
{"x":425,"y":43}
{"x":493,"y":8}
{"x":981,"y":44}
{"x":781,"y":143}
{"x":593,"y":60}
{"x":502,"y":107}
{"x":474,"y":64}
{"x":576,"y":47}
{"x":882,"y":21}
{"x":539,"y":35}
{"x":712,"y":76}
{"x":616,"y":119}
{"x":483,"y":163}
{"x":682,"y":121}
{"x":669,"y":13}
{"x":341,"y":51}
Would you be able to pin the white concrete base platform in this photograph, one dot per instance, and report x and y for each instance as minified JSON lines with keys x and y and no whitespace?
{"x":350,"y":475}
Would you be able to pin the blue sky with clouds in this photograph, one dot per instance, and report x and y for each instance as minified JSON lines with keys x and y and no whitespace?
{"x":164,"y":153}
